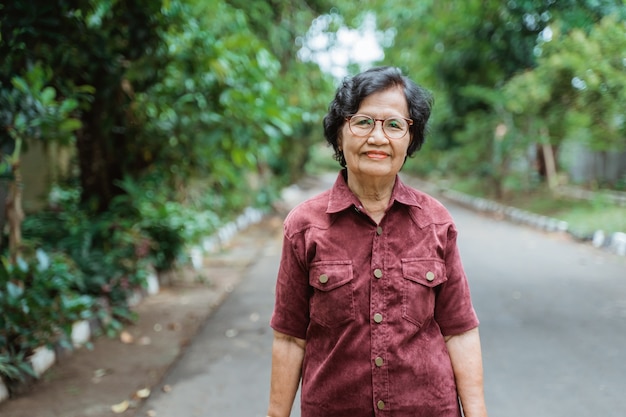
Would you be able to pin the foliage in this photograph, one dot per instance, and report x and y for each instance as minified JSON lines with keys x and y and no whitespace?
{"x":303,"y":90}
{"x":541,"y":49}
{"x":169,"y":225}
{"x":576,"y":92}
{"x":459,"y":42}
{"x":46,"y":289}
{"x":474,"y":55}
{"x":31,"y":110}
{"x":194,"y":110}
{"x":110,"y":250}
{"x":580,"y":79}
{"x":15,"y":367}
{"x":226,"y":104}
{"x":106,"y":44}
{"x":208,"y":89}
{"x":597,"y":72}
{"x":214,"y":113}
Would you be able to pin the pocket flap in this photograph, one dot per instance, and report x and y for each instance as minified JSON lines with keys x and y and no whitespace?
{"x":328,"y":275}
{"x":427,"y":272}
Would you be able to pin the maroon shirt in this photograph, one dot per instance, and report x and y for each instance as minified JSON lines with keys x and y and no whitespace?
{"x":374,"y":303}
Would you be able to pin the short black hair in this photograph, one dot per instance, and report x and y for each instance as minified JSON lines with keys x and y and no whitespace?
{"x":353,"y":90}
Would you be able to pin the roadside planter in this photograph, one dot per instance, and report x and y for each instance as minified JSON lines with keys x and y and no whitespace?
{"x":4,"y":392}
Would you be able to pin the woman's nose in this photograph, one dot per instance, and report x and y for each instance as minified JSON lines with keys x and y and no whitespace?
{"x":377,"y":135}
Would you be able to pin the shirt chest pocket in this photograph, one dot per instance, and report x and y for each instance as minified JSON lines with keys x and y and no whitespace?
{"x":332,"y":302}
{"x":421,"y":277}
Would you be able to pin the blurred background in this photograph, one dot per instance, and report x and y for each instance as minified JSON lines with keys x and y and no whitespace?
{"x":130,"y":130}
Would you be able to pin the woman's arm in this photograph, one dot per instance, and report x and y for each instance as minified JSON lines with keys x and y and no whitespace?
{"x":467,"y":363}
{"x":287,"y":357}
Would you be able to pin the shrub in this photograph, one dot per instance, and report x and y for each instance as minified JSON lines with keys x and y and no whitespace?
{"x":40,"y":299}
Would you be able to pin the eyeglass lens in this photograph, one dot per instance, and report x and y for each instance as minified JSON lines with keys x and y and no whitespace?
{"x":394,"y":128}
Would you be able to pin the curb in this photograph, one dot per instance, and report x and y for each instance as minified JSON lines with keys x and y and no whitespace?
{"x":82,"y":331}
{"x":615,"y":242}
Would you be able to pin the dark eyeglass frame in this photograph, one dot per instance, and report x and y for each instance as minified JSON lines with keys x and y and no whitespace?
{"x":382,"y":121}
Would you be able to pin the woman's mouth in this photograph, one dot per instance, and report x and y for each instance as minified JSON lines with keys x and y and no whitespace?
{"x":376,"y":155}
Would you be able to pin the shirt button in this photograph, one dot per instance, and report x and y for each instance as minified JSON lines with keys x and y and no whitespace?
{"x":378,"y":318}
{"x":380,"y":404}
{"x":430,"y":275}
{"x":378,"y":273}
{"x":379,"y":361}
{"x":323,"y":278}
{"x":379,"y":230}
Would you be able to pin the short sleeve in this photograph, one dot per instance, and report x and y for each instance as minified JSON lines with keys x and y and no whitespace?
{"x":454,"y":311}
{"x":291,"y":307}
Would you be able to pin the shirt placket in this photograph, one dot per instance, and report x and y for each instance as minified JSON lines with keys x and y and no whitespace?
{"x":379,"y":315}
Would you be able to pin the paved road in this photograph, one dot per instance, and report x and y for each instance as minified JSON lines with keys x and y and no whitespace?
{"x":553,"y":324}
{"x":553,"y":320}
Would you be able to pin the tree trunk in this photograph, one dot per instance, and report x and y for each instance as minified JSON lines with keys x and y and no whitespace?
{"x":550,"y":164}
{"x":15,"y":214}
{"x":103,"y":145}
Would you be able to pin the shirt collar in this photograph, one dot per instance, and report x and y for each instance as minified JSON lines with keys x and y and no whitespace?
{"x":342,"y":198}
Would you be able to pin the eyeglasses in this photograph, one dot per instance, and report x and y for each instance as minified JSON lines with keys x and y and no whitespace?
{"x":393,"y":127}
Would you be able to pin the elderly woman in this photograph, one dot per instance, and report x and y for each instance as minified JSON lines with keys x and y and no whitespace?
{"x":373,"y":311}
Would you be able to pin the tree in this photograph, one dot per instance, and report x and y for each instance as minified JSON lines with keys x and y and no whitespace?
{"x":108,"y":44}
{"x":466,"y":52}
{"x":577,"y":91}
{"x":303,"y":89}
{"x":455,"y":44}
{"x":29,"y":110}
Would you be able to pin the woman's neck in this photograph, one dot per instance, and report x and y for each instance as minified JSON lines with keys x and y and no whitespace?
{"x":374,"y":195}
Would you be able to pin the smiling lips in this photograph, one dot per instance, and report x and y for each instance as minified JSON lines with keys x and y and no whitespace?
{"x":376,"y":155}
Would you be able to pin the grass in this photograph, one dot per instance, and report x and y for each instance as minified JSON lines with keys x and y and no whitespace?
{"x":587,"y":220}
{"x":583,"y":216}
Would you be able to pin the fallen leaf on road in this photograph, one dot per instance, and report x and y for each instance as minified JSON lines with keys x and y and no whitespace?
{"x":120,"y":408}
{"x":126,"y":337}
{"x":99,"y":373}
{"x":144,"y":341}
{"x":143,"y":393}
{"x":151,"y":413}
{"x":166,"y":388}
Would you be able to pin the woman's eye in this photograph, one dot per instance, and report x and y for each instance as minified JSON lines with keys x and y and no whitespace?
{"x":394,"y":124}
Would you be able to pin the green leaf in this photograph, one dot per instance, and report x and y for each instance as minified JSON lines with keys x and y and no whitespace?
{"x":85,"y":89}
{"x":14,"y":291}
{"x":20,"y":123}
{"x":48,"y":95}
{"x":68,"y":105}
{"x":20,"y":84}
{"x":70,"y":125}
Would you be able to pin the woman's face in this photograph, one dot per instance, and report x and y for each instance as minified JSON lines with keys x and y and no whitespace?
{"x":374,"y":156}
